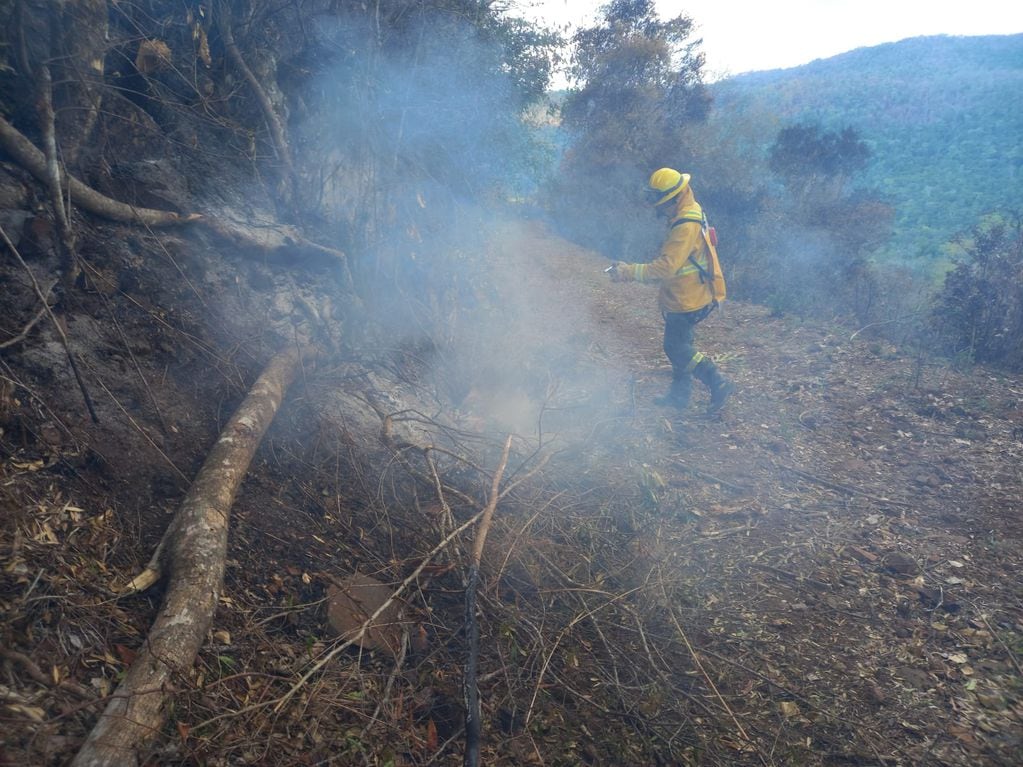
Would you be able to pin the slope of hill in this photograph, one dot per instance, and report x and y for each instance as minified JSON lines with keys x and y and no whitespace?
{"x":942,"y":115}
{"x":823,"y":575}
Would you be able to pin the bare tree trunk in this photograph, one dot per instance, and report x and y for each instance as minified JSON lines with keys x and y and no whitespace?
{"x":273,"y":120}
{"x":196,"y":551}
{"x":61,"y":214}
{"x":81,"y":46}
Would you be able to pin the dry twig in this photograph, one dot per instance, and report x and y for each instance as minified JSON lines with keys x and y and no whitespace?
{"x":21,"y":336}
{"x":711,"y":685}
{"x":40,"y":677}
{"x":358,"y":635}
{"x":56,"y":324}
{"x":844,"y":488}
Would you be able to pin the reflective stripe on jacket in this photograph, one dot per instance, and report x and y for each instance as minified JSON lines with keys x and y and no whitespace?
{"x":687,"y":267}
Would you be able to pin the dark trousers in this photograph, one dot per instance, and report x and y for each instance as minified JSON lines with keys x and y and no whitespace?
{"x":680,"y":341}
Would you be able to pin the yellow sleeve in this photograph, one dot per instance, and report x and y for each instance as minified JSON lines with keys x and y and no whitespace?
{"x":684,"y":239}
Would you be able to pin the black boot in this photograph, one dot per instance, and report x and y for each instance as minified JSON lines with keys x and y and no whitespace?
{"x":720,"y":387}
{"x":678,"y":395}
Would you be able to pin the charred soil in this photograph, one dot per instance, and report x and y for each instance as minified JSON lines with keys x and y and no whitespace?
{"x":824,"y":574}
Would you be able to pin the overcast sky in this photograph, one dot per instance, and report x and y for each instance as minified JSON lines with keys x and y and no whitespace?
{"x":747,"y":35}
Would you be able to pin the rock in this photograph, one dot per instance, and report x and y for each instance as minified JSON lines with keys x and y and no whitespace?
{"x":991,"y":700}
{"x":861,"y":554}
{"x":352,"y":601}
{"x":874,"y":694}
{"x":899,"y":563}
{"x":13,"y":193}
{"x":153,"y":183}
{"x":51,"y":434}
{"x":914,"y":677}
{"x":930,"y":597}
{"x":13,"y":222}
{"x":788,"y":709}
{"x":38,"y":237}
{"x":933,"y":598}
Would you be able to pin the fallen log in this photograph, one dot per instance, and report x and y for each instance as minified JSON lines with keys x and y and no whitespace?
{"x":196,"y":546}
{"x":25,"y":153}
{"x":267,"y":236}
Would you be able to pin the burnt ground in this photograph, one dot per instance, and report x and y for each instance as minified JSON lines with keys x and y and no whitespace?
{"x":826,"y":574}
{"x":854,"y":534}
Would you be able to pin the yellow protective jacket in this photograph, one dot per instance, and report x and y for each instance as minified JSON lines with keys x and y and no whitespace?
{"x":687,"y":266}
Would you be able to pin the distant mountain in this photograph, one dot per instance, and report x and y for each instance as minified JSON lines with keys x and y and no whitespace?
{"x":942,"y":115}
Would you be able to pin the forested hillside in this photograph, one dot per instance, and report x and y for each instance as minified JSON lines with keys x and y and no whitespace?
{"x":942,"y":116}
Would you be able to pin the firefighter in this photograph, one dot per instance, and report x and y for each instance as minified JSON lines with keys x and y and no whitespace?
{"x":691,"y":286}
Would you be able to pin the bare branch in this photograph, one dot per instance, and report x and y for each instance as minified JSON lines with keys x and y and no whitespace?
{"x":59,"y":328}
{"x":87,"y":198}
{"x":470,"y":683}
{"x":31,"y":323}
{"x":273,"y":120}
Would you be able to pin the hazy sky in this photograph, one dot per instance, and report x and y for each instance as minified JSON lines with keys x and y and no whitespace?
{"x":746,"y":35}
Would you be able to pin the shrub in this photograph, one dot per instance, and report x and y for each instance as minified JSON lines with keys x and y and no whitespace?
{"x":979,"y":310}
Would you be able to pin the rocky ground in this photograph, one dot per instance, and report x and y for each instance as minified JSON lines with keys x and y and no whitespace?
{"x":826,"y":574}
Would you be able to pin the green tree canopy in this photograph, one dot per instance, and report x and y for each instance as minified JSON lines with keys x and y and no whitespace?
{"x":810,"y":158}
{"x":979,"y":310}
{"x":639,"y":84}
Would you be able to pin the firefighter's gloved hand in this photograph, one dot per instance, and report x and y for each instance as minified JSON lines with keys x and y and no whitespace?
{"x":620,"y":272}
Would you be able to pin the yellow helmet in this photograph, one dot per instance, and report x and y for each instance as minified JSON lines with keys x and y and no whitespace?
{"x":667,"y":184}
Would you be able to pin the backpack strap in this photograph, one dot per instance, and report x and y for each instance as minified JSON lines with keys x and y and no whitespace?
{"x":690,"y":217}
{"x":694,"y":217}
{"x":704,"y":274}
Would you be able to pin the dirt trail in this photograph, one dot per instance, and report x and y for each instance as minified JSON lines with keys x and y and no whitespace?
{"x":853,"y":535}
